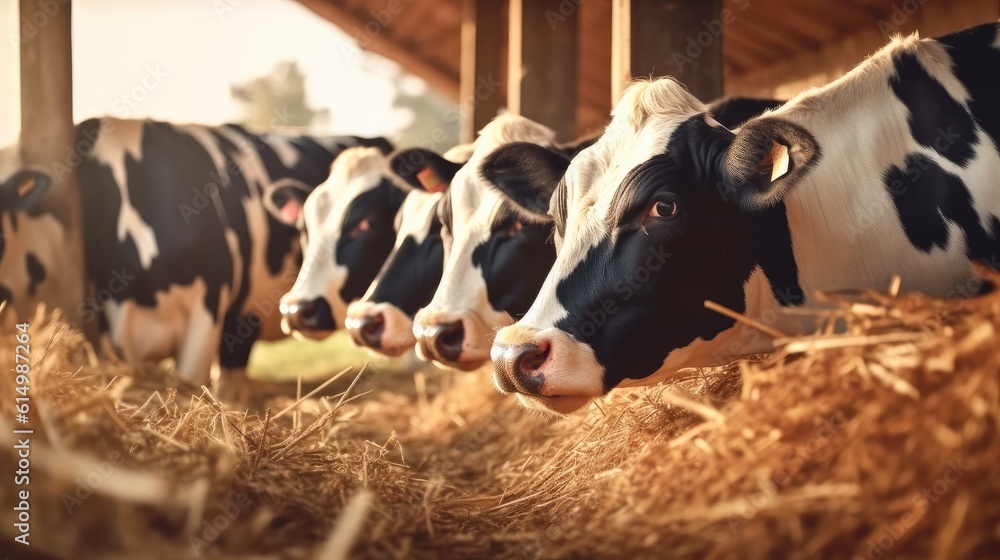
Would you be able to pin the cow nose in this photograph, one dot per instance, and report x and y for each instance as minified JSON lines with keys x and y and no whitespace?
{"x":308,"y":314}
{"x":444,"y":340}
{"x":517,"y":368}
{"x":369,"y":330}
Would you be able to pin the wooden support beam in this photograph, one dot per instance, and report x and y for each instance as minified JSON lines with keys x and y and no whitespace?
{"x":47,"y":136}
{"x":680,"y":38}
{"x":542,"y":63}
{"x":372,"y":35}
{"x":482,"y":91}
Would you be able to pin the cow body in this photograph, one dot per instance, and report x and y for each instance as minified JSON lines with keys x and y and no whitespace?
{"x":184,"y":259}
{"x":890,"y":170}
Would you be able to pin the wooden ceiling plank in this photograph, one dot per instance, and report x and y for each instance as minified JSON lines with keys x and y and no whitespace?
{"x":776,"y":30}
{"x":818,"y":29}
{"x":750,"y":48}
{"x":437,"y":76}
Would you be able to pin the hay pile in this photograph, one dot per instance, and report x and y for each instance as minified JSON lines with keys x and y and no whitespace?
{"x":881,"y":442}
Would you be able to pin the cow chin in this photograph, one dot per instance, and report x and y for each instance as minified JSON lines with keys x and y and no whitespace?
{"x":308,"y":334}
{"x":556,"y":405}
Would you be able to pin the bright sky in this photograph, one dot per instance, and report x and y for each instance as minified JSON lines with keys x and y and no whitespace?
{"x":191,"y":51}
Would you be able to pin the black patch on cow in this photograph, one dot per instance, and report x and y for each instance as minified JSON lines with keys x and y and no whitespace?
{"x":412,"y":276}
{"x":643,"y":285}
{"x":976,"y":62}
{"x":364,"y":254}
{"x":36,"y":273}
{"x":937,"y":121}
{"x":927,"y":197}
{"x":515,"y":261}
{"x":5,"y":295}
{"x":734,"y":111}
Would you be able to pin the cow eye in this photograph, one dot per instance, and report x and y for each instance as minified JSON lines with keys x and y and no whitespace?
{"x":363,"y":226}
{"x":663,"y":209}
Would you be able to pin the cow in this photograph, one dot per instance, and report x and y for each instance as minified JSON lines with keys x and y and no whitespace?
{"x":891,"y":169}
{"x":382,"y":320}
{"x":495,"y":260}
{"x":184,"y":258}
{"x":32,"y":237}
{"x":350,"y":225}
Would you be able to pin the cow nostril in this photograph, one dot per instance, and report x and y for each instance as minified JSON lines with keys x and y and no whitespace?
{"x":371,"y":329}
{"x":448,"y":342}
{"x":529,"y":378}
{"x":314,"y":314}
{"x":517,"y":368}
{"x":533,"y":359}
{"x":305,"y":310}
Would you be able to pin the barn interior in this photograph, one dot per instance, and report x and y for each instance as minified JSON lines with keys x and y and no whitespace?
{"x":878,"y":443}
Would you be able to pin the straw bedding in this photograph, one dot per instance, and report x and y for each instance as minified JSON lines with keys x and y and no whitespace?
{"x":878,"y":443}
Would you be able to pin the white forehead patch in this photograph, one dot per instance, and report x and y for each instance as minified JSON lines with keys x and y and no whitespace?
{"x":354,"y":172}
{"x":417,"y":215}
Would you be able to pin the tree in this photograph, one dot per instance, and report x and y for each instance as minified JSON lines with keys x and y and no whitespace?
{"x":435,"y":119}
{"x":277,"y":100}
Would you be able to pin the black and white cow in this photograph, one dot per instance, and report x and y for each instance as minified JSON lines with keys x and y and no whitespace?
{"x":495,"y":259}
{"x":383,"y":319}
{"x":185,"y":260}
{"x":32,"y":241}
{"x":349,"y":224}
{"x":892,"y":169}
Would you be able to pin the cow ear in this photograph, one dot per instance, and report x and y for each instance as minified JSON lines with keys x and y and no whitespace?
{"x":24,"y":189}
{"x":527,"y":174}
{"x":767,"y":157}
{"x":285,"y":199}
{"x":417,"y":168}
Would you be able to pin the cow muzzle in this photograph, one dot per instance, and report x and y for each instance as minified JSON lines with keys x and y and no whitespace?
{"x":548,"y":369}
{"x":458,"y":340}
{"x":381,"y":327}
{"x":311,"y":318}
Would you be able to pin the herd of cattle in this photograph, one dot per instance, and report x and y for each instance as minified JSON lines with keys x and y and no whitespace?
{"x":574,"y":268}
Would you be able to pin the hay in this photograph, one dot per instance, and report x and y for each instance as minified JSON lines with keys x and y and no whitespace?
{"x":879,"y":442}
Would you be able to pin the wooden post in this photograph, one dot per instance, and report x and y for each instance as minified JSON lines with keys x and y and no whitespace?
{"x":680,"y":38}
{"x":542,"y":63}
{"x":481,"y":89}
{"x":47,"y":131}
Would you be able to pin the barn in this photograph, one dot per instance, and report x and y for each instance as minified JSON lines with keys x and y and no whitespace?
{"x":154,"y":406}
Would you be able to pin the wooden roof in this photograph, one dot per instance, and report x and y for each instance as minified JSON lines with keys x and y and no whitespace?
{"x":425,"y":36}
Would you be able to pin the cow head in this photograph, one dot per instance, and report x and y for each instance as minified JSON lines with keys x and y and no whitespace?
{"x":30,"y":240}
{"x":383,"y":319}
{"x":348,"y":227}
{"x":668,"y":209}
{"x":495,"y":258}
